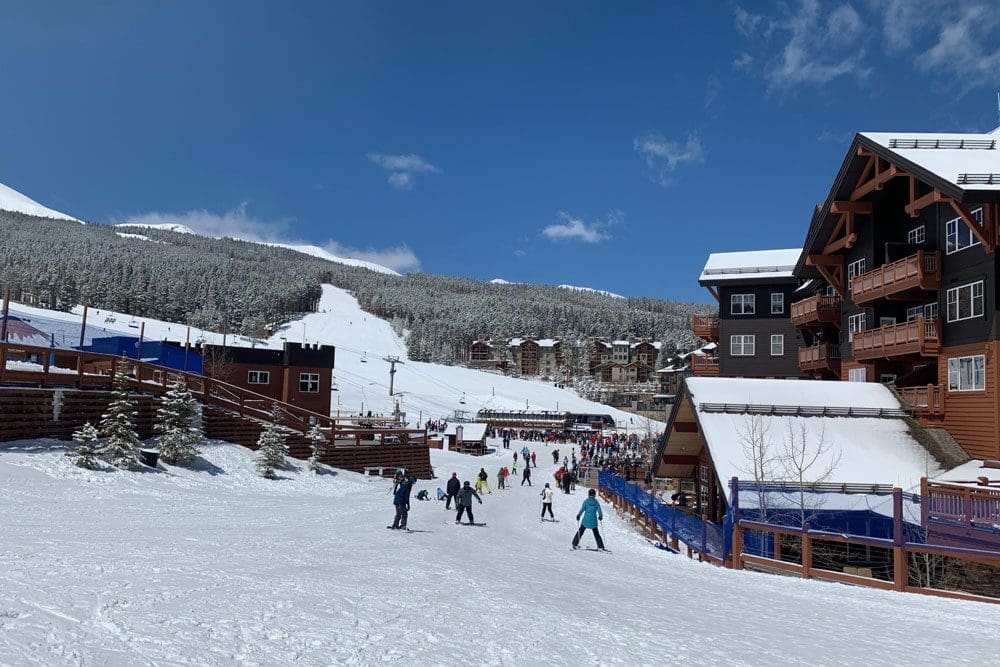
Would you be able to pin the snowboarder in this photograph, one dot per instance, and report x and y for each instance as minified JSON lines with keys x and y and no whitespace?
{"x":464,"y":503}
{"x":547,"y":502}
{"x":483,"y":480}
{"x":527,"y":476}
{"x":453,"y":487}
{"x":401,"y":499}
{"x":591,"y":513}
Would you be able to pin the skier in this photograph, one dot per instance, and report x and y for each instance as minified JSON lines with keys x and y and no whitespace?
{"x":483,"y":480}
{"x":547,"y":502}
{"x":515,"y":459}
{"x":453,"y":487}
{"x":527,"y":476}
{"x":567,"y":480}
{"x":555,"y":456}
{"x":591,"y":513}
{"x":464,"y":502}
{"x":401,"y":499}
{"x":500,"y":479}
{"x":533,"y":460}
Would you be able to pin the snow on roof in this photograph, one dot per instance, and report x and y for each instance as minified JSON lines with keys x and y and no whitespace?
{"x":947,"y":155}
{"x":12,"y":200}
{"x":750,"y":264}
{"x":547,"y":342}
{"x":470,"y":431}
{"x":701,"y":351}
{"x":621,"y":342}
{"x":867,"y":450}
{"x":969,"y":472}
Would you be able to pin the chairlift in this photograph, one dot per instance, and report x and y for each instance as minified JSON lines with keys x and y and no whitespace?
{"x":133,"y":324}
{"x":364,"y":358}
{"x":462,"y":400}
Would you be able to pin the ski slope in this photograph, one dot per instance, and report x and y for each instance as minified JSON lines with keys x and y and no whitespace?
{"x":219,"y":566}
{"x":361,"y":373}
{"x":12,"y":200}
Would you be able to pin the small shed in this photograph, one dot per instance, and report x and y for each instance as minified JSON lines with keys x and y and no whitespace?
{"x":468,"y":438}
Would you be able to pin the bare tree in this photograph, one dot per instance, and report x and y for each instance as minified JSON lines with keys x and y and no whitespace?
{"x":217,"y":363}
{"x":807,"y":461}
{"x":760,"y":460}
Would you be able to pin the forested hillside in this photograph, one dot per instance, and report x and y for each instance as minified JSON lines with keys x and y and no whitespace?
{"x":243,"y":286}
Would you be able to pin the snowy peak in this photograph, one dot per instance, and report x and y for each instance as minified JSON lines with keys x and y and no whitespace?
{"x":316,"y":251}
{"x":165,"y":226}
{"x":12,"y":200}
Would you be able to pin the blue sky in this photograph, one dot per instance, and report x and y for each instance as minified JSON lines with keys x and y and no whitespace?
{"x":611,"y":145}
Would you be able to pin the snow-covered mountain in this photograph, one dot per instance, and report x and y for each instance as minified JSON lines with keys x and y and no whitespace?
{"x":12,"y":200}
{"x":165,"y":226}
{"x":316,"y":251}
{"x":591,"y":289}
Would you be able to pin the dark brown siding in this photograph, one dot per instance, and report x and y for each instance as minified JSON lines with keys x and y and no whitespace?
{"x":971,"y":416}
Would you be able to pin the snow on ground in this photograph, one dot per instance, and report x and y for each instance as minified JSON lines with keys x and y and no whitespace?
{"x":12,"y":200}
{"x":360,"y":373}
{"x":322,"y":253}
{"x":219,"y":566}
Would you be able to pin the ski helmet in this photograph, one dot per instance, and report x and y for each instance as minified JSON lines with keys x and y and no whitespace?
{"x":592,"y":493}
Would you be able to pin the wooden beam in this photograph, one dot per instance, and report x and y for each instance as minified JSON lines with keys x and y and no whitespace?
{"x":711,"y":289}
{"x":831,"y":267}
{"x":919,"y":204}
{"x":836,"y":229}
{"x":824,"y":260}
{"x":876,"y":183}
{"x":851,"y":207}
{"x":841,"y":243}
{"x":679,"y":460}
{"x":966,"y":215}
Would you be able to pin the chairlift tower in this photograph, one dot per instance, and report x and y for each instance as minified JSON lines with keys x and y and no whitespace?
{"x":392,"y":361}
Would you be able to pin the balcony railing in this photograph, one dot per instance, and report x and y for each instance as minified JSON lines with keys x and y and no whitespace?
{"x":823,"y":357}
{"x":705,"y":326}
{"x":704,"y":365}
{"x":920,"y":271}
{"x":816,"y":310}
{"x":926,"y":401}
{"x":919,"y":336}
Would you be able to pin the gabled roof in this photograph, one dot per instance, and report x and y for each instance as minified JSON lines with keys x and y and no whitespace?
{"x":749,"y":265}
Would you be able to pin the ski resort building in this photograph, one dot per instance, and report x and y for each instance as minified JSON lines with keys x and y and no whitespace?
{"x":467,"y":438}
{"x":623,"y":361}
{"x":484,"y":355}
{"x":299,"y":374}
{"x":752,"y":327}
{"x":903,"y":278}
{"x":536,"y":357}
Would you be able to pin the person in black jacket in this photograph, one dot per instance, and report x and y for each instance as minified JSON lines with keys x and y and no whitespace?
{"x":452,"y":487}
{"x":464,"y":502}
{"x":526,"y":476}
{"x":401,"y":499}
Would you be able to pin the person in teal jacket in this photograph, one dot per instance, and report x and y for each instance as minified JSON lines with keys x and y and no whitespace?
{"x":591,"y":513}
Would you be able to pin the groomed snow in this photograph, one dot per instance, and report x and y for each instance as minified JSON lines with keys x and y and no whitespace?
{"x":947,"y":163}
{"x":750,"y":265}
{"x":12,"y":200}
{"x":219,"y":566}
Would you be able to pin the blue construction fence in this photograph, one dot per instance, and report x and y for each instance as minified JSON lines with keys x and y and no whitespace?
{"x":703,"y":536}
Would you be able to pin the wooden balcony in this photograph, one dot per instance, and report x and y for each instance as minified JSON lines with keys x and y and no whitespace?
{"x":927,"y":401}
{"x":823,"y":357}
{"x":900,"y":280}
{"x":816,"y":311}
{"x":705,"y":326}
{"x":704,"y":365}
{"x":917,"y":337}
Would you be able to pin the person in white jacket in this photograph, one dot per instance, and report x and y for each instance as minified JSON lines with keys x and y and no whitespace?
{"x":547,"y":502}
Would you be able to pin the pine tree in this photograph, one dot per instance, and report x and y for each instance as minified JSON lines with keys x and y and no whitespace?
{"x":271,"y":446}
{"x":118,"y":423}
{"x":177,"y":421}
{"x":317,"y":441}
{"x":87,"y":444}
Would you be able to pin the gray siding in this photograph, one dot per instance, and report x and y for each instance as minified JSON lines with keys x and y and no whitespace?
{"x":762,"y":364}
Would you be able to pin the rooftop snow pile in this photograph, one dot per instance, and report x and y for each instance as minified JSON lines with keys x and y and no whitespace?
{"x":948,"y":156}
{"x":868,"y":450}
{"x":750,"y":264}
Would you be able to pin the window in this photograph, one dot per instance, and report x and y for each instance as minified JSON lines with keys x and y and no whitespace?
{"x":777,"y":345}
{"x":741,"y":346}
{"x":703,"y":488}
{"x":742,"y":304}
{"x":857,"y":375}
{"x":309,"y":383}
{"x":886,"y":378}
{"x":855,"y":269}
{"x":259,"y":377}
{"x":958,"y":234}
{"x":967,"y":373}
{"x":856,"y":323}
{"x":777,"y":303}
{"x":927,"y":311}
{"x":916,"y":235}
{"x":886,"y":321}
{"x":965,"y":302}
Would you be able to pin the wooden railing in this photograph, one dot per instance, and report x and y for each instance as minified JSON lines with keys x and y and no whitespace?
{"x":926,"y":400}
{"x":89,"y":370}
{"x":705,"y":326}
{"x":921,"y":270}
{"x":817,"y":309}
{"x":825,"y":356}
{"x":918,"y":336}
{"x":960,"y":505}
{"x":705,"y":365}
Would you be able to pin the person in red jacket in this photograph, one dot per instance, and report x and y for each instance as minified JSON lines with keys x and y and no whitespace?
{"x":533,"y":460}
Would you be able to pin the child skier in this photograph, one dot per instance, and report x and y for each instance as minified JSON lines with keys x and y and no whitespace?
{"x":547,"y":502}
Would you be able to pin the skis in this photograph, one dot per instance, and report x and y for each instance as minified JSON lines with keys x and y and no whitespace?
{"x":462,"y":523}
{"x":606,"y":551}
{"x":551,"y":520}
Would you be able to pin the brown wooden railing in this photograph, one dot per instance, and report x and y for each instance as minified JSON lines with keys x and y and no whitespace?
{"x":921,"y":270}
{"x":90,"y":370}
{"x":705,"y":365}
{"x":817,"y":309}
{"x":705,"y":326}
{"x":825,"y":356}
{"x":926,"y":400}
{"x":918,"y":336}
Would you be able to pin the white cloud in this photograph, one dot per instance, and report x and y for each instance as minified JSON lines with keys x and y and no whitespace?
{"x":239,"y":224}
{"x":575,"y":229}
{"x":520,"y":253}
{"x":964,"y":48}
{"x":399,"y":258}
{"x":401,"y":168}
{"x":663,"y":156}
